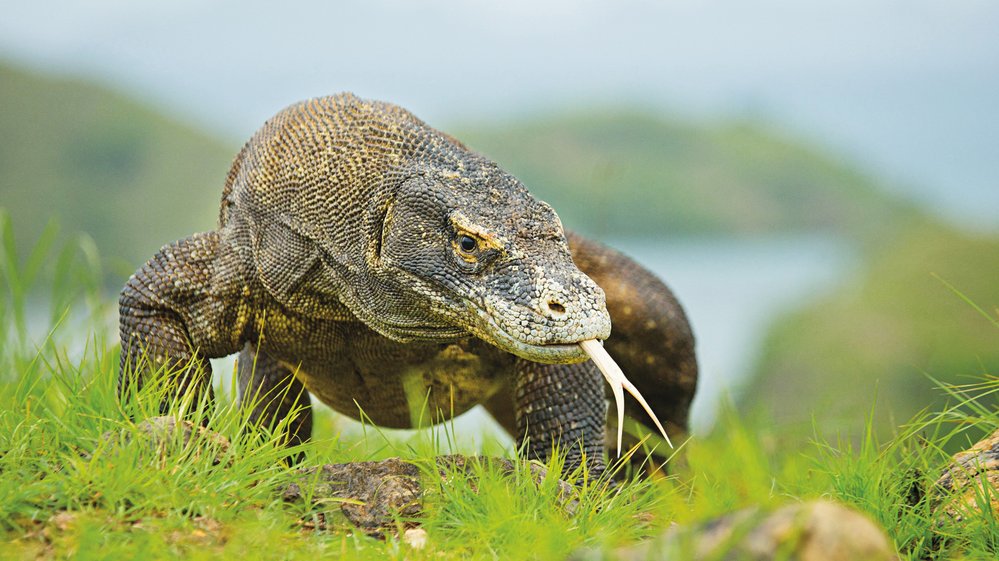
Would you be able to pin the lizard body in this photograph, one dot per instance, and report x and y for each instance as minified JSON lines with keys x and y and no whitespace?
{"x":385,"y":268}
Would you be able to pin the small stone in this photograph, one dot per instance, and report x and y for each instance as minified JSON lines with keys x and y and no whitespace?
{"x":372,"y":495}
{"x":415,"y":537}
{"x":160,"y":432}
{"x":62,"y":520}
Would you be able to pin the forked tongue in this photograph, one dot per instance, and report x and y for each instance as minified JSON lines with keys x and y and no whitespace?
{"x":618,"y":383}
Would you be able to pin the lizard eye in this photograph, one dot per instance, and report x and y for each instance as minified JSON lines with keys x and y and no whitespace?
{"x":470,"y":253}
{"x":467,"y":244}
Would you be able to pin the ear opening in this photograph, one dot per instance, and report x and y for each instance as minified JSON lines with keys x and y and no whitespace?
{"x":384,"y":222}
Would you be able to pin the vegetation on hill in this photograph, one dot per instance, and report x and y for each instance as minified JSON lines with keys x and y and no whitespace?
{"x":627,"y":173}
{"x":103,"y":164}
{"x":901,"y":323}
{"x":133,"y":180}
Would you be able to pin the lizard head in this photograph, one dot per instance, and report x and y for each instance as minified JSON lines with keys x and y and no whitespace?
{"x":491,"y":260}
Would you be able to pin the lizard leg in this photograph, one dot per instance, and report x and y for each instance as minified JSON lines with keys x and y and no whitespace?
{"x":274,"y":393}
{"x":562,"y":406}
{"x":174,"y":315}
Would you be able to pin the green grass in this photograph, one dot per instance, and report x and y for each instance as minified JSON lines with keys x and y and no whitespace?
{"x":68,"y":491}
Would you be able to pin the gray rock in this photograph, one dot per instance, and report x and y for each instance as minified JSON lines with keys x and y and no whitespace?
{"x":386,"y":497}
{"x":814,"y":531}
{"x":962,"y":487}
{"x":159,"y":433}
{"x":374,"y":496}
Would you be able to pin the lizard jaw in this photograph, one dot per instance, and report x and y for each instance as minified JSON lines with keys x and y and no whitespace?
{"x":548,"y":340}
{"x":555,"y":353}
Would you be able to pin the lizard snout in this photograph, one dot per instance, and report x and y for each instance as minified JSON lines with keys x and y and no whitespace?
{"x":572,"y":300}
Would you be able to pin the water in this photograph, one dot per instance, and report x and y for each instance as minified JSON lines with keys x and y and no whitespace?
{"x":732,"y":290}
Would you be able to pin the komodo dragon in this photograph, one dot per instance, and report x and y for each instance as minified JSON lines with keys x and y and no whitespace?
{"x":387,"y":269}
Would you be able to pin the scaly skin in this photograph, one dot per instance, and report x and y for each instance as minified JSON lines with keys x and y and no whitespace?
{"x":382,"y":266}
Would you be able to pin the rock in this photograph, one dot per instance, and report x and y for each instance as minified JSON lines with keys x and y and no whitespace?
{"x":961,"y":490}
{"x":164,"y":431}
{"x":377,"y":497}
{"x":374,"y":496}
{"x":814,"y":531}
{"x":386,"y":496}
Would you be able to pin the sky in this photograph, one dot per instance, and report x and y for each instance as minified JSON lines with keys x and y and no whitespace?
{"x":907,"y":89}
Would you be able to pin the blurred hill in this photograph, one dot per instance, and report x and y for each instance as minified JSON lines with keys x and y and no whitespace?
{"x":103,"y":164}
{"x":882,"y":334}
{"x":614,"y":173}
{"x":134,"y":179}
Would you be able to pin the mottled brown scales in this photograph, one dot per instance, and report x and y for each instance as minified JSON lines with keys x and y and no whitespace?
{"x":380,"y":265}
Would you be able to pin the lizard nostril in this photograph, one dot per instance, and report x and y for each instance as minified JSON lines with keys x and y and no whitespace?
{"x":556,"y":309}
